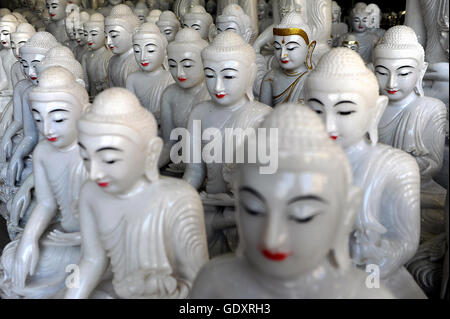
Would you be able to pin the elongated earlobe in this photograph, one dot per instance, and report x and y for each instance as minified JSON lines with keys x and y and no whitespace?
{"x":419,"y":86}
{"x":378,"y":111}
{"x":249,"y":93}
{"x":154,"y":149}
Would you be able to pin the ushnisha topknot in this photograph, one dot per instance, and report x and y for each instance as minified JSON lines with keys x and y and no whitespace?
{"x":293,"y":23}
{"x":198,"y":12}
{"x":400,"y":42}
{"x":234,"y":12}
{"x":4,"y":11}
{"x":168,"y":18}
{"x":153,"y":16}
{"x":9,"y":18}
{"x":25,"y":28}
{"x":40,"y":42}
{"x":229,"y":45}
{"x":123,"y":16}
{"x":58,"y":84}
{"x":141,"y":8}
{"x":188,"y":38}
{"x":118,"y":111}
{"x":95,"y":20}
{"x":150,"y":30}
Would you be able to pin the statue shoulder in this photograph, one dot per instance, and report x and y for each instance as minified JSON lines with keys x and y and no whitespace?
{"x":177,"y":189}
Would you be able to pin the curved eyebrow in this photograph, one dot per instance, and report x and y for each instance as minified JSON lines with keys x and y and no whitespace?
{"x":381,"y":66}
{"x":229,"y":69}
{"x":197,"y":25}
{"x":294,"y":42}
{"x":252,"y":191}
{"x":344,"y":102}
{"x":172,"y":60}
{"x":405,"y":66}
{"x":209,"y":69}
{"x":315,"y":100}
{"x":58,"y":110}
{"x":81,"y":145}
{"x":114,"y":31}
{"x":108,"y":149}
{"x":307,"y":197}
{"x":34,"y":110}
{"x":187,"y":60}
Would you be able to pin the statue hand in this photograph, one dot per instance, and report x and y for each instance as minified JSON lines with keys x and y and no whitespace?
{"x":6,"y":149}
{"x":221,"y":199}
{"x":21,"y":201}
{"x":25,"y":262}
{"x":15,"y":169}
{"x":59,"y":238}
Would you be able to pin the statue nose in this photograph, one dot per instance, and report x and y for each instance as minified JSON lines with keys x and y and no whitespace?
{"x":274,"y":235}
{"x":392,"y":83}
{"x":331,"y":125}
{"x":219,"y":85}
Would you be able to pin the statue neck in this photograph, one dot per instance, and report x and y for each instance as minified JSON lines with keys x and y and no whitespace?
{"x":296,"y":72}
{"x":137,"y":188}
{"x":195,"y":89}
{"x":240,"y":103}
{"x":357,"y":150}
{"x":126,"y":53}
{"x":69,"y":148}
{"x":411,"y":97}
{"x":60,"y":23}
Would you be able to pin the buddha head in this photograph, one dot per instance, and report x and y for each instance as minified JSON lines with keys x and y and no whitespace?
{"x":39,"y":7}
{"x":141,"y":11}
{"x":8,"y":25}
{"x":71,"y":20}
{"x":165,"y":5}
{"x":185,"y":61}
{"x":61,"y":56}
{"x":149,"y":47}
{"x":153,"y":16}
{"x":57,"y":9}
{"x":230,"y":69}
{"x":46,"y":17}
{"x":119,"y":142}
{"x":293,"y":47}
{"x":336,"y":12}
{"x":82,"y":34}
{"x":263,"y":9}
{"x":169,"y":25}
{"x":375,"y":16}
{"x":360,"y":18}
{"x":34,"y":51}
{"x":120,"y":26}
{"x":198,"y":19}
{"x":344,"y":92}
{"x":152,"y":4}
{"x":399,"y":63}
{"x":23,"y":33}
{"x":233,"y":18}
{"x":31,"y":4}
{"x":57,"y":103}
{"x":300,"y":217}
{"x":114,"y":2}
{"x":350,"y":42}
{"x":95,"y":29}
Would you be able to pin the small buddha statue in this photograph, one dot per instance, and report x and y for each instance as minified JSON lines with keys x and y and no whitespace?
{"x":106,"y":9}
{"x":293,"y":52}
{"x":71,"y":31}
{"x":57,"y":11}
{"x":264,"y":21}
{"x":198,"y":19}
{"x":230,"y":70}
{"x":120,"y":26}
{"x":97,"y":59}
{"x":360,"y":19}
{"x":149,"y":228}
{"x":294,"y":225}
{"x":81,"y":36}
{"x":189,"y":89}
{"x":141,"y":11}
{"x":152,"y":4}
{"x":169,"y":25}
{"x":375,"y":19}
{"x":34,"y":265}
{"x":181,"y":7}
{"x":344,"y":92}
{"x":411,"y":122}
{"x":153,"y":16}
{"x":338,"y":28}
{"x":149,"y":83}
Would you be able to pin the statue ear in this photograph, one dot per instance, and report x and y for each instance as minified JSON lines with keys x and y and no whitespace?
{"x":377,"y":113}
{"x":341,"y":249}
{"x":248,"y":35}
{"x":253,"y":69}
{"x":153,"y":151}
{"x":419,"y":86}
{"x":81,"y":82}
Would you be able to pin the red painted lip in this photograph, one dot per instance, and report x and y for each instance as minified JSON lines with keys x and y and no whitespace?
{"x":284,"y":61}
{"x":91,"y":43}
{"x":392,"y":91}
{"x":79,"y":41}
{"x":52,"y":15}
{"x":34,"y":78}
{"x":333,"y":137}
{"x":182,"y":79}
{"x":275,"y":256}
{"x":52,"y":139}
{"x":3,"y":42}
{"x":221,"y":95}
{"x":145,"y":64}
{"x":361,"y":27}
{"x":103,"y":184}
{"x":111,"y":47}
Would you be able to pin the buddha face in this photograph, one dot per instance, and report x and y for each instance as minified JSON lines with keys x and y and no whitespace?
{"x":336,"y":14}
{"x":227,"y":81}
{"x":71,"y":33}
{"x":169,"y":32}
{"x":140,"y":14}
{"x":17,"y":41}
{"x":288,"y":220}
{"x":262,"y":11}
{"x":290,"y":51}
{"x":360,"y":22}
{"x":149,"y":53}
{"x":39,"y":9}
{"x":57,"y":122}
{"x":56,"y":10}
{"x":115,"y":163}
{"x":347,"y":114}
{"x":5,"y":34}
{"x":118,"y":39}
{"x":152,"y":4}
{"x":31,"y":3}
{"x":81,"y":36}
{"x":114,"y":2}
{"x":228,"y":26}
{"x":197,"y":24}
{"x":95,"y":38}
{"x":29,"y":61}
{"x":397,"y":78}
{"x":186,"y":68}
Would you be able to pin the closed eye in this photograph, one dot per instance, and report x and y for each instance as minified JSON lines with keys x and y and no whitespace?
{"x":302,"y":220}
{"x":344,"y":113}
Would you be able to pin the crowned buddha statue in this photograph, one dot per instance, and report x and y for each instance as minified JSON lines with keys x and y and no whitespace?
{"x":230,"y":70}
{"x":34,"y":265}
{"x":149,"y":228}
{"x":375,"y":19}
{"x":81,"y":36}
{"x":149,"y":83}
{"x":411,"y":122}
{"x":345,"y":94}
{"x":189,"y":89}
{"x":169,"y":25}
{"x":96,"y":61}
{"x":120,"y":26}
{"x":153,"y":16}
{"x":294,"y":225}
{"x":293,"y":52}
{"x":338,"y":28}
{"x":141,"y":11}
{"x":57,"y":11}
{"x":198,"y":19}
{"x":360,"y":21}
{"x":108,"y":6}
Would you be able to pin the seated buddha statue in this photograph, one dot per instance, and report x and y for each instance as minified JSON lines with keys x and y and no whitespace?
{"x":198,"y":19}
{"x":23,"y":33}
{"x":338,"y":28}
{"x":169,"y":25}
{"x":57,"y":12}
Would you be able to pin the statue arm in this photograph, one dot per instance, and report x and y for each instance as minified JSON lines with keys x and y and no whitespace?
{"x":265,"y":37}
{"x":3,"y":77}
{"x":93,"y":261}
{"x":265,"y":95}
{"x":414,"y":19}
{"x":16,"y":125}
{"x":166,"y":127}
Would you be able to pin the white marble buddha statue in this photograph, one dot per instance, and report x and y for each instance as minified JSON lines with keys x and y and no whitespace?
{"x":375,"y":19}
{"x":338,"y":28}
{"x":153,"y":16}
{"x":181,"y":7}
{"x":293,"y":52}
{"x":294,"y":225}
{"x":149,"y":228}
{"x":96,"y":61}
{"x":411,"y":122}
{"x":345,"y":94}
{"x":152,"y":4}
{"x":230,"y":70}
{"x":57,"y":11}
{"x":165,"y":5}
{"x":264,"y":20}
{"x":71,"y":31}
{"x":141,"y":11}
{"x":35,"y":264}
{"x":360,"y":22}
{"x":149,"y":83}
{"x":189,"y":89}
{"x":106,"y":9}
{"x":169,"y":25}
{"x":81,"y":36}
{"x":198,"y":19}
{"x":120,"y":26}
